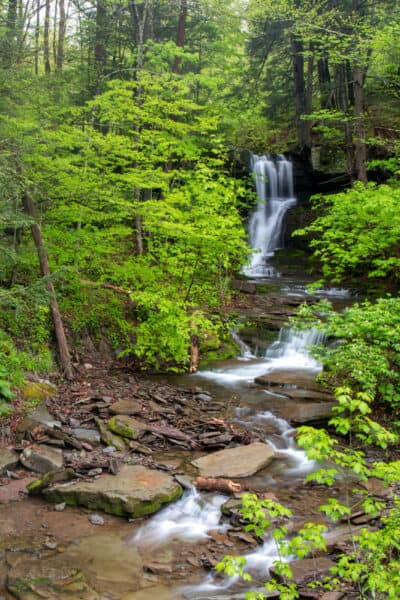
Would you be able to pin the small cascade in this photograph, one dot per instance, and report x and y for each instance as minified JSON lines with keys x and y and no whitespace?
{"x":292,"y":349}
{"x":274,"y":186}
{"x":245,"y":350}
{"x":189,"y":519}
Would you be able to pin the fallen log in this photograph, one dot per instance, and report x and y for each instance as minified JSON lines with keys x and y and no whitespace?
{"x":217,"y":485}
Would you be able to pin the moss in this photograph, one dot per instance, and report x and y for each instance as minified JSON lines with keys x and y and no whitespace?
{"x":228,"y":349}
{"x":133,"y":507}
{"x":126,"y":426}
{"x":33,"y":390}
{"x":109,"y":438}
{"x":35,"y":487}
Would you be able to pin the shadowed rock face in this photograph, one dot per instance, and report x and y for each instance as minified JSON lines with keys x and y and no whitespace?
{"x":242,"y":461}
{"x":135,"y":492}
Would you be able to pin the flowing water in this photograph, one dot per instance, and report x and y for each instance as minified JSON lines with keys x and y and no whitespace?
{"x":192,"y":518}
{"x":274,"y":185}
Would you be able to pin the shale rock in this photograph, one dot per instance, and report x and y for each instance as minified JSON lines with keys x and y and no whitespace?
{"x":126,"y":426}
{"x":134,"y":492}
{"x":109,"y":438}
{"x":8,"y":460}
{"x":42,"y":458}
{"x":91,"y":436}
{"x":242,"y":461}
{"x":126,"y":407}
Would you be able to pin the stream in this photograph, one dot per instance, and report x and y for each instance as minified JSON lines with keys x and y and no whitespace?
{"x":172,"y":544}
{"x":232,"y":383}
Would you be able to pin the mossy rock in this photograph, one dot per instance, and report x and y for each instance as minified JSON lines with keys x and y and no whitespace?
{"x":126,"y":426}
{"x":134,"y":492}
{"x":36,"y":487}
{"x":109,"y":438}
{"x":33,"y":390}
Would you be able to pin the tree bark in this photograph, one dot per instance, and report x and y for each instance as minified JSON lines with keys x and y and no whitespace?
{"x":61,"y":37}
{"x":324,"y":80}
{"x":343,"y":103}
{"x":360,"y":147}
{"x":181,"y":34}
{"x":303,"y":131}
{"x":46,"y":40}
{"x":100,"y":52}
{"x":37,"y":35}
{"x":65,"y":359}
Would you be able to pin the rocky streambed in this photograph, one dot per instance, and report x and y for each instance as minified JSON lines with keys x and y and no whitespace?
{"x":98,"y":456}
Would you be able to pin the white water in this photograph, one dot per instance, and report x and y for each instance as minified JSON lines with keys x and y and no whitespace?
{"x":290,"y":351}
{"x":274,"y":186}
{"x":188,"y":519}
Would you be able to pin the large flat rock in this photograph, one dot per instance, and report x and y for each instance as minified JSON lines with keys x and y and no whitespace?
{"x":135,"y":492}
{"x":307,"y":412}
{"x":242,"y":461}
{"x":279,"y":377}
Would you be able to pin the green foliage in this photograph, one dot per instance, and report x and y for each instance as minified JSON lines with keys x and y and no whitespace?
{"x":365,"y":354}
{"x":357,"y":233}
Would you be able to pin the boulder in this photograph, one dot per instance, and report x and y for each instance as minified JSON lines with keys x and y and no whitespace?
{"x":126,"y":407}
{"x":242,"y":461}
{"x":42,"y":458}
{"x":8,"y":460}
{"x":127,"y":427}
{"x":134,"y":492}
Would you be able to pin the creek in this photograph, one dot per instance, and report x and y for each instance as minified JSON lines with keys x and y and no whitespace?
{"x":162,"y":557}
{"x":232,"y":382}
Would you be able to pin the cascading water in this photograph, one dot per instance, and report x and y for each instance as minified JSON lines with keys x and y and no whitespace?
{"x":274,"y":186}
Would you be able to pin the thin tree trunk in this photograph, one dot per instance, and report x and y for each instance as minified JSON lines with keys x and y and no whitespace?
{"x":344,"y":105}
{"x":360,"y":147}
{"x":303,"y":134}
{"x":37,"y":34}
{"x":180,"y":35}
{"x":65,"y":359}
{"x":100,"y":52}
{"x":46,"y":41}
{"x":61,"y":37}
{"x":55,"y":17}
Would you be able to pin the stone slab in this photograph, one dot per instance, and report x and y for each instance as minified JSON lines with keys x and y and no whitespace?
{"x":42,"y":458}
{"x":242,"y":461}
{"x":126,"y":407}
{"x":134,"y":492}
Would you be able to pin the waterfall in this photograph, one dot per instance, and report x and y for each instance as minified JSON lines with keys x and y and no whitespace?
{"x":274,"y":186}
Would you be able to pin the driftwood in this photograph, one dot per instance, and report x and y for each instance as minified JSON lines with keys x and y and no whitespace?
{"x":217,"y":485}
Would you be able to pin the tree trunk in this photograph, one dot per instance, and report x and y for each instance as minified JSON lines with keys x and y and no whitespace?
{"x":62,"y":344}
{"x":180,"y":35}
{"x":100,"y":52}
{"x":46,"y":40}
{"x":61,"y":37}
{"x":37,"y":35}
{"x":343,"y":103}
{"x":324,"y":80}
{"x":360,"y":147}
{"x":303,"y":131}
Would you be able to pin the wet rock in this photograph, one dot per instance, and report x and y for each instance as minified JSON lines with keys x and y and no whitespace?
{"x":242,"y":461}
{"x":126,"y":407}
{"x":91,"y":436}
{"x":42,"y":458}
{"x":135,"y":492}
{"x":109,"y":438}
{"x":308,"y":412}
{"x":32,"y":577}
{"x":126,"y":426}
{"x":96,"y":520}
{"x":8,"y":460}
{"x":95,"y":472}
{"x":111,"y":564}
{"x":308,"y":569}
{"x":158,"y":568}
{"x":184,"y":481}
{"x":36,"y":486}
{"x":60,"y":507}
{"x":279,"y":377}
